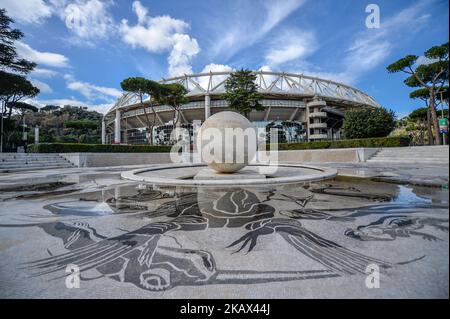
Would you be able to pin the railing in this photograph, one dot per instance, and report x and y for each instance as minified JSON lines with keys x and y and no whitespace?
{"x":318,"y":114}
{"x":318,"y":136}
{"x":318,"y":125}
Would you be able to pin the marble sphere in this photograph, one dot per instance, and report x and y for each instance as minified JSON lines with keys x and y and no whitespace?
{"x":221,"y":121}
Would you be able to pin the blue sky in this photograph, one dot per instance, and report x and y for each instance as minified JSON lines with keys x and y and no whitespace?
{"x":84,"y":48}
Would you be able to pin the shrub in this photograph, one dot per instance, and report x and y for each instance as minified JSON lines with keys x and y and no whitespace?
{"x":95,"y":148}
{"x":367,"y":142}
{"x":67,"y":139}
{"x":107,"y":148}
{"x":82,"y":138}
{"x":82,"y":124}
{"x":367,"y":122}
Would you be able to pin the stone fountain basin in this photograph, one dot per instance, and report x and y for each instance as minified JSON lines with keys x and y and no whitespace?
{"x":252,"y":175}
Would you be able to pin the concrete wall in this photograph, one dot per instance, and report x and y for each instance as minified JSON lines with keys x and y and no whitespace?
{"x":366,"y":153}
{"x":115,"y":159}
{"x":345,"y":155}
{"x":348,"y":155}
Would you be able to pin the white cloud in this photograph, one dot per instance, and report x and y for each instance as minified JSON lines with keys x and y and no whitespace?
{"x":291,"y":45}
{"x":246,"y":28}
{"x":43,"y":73}
{"x":204,"y":81}
{"x":277,"y":11}
{"x":44,"y":58}
{"x":184,"y":49}
{"x":423,"y":60}
{"x":265,"y":68}
{"x":101,"y":108}
{"x":161,"y":34}
{"x":92,"y":91}
{"x":155,"y":35}
{"x":368,"y":49}
{"x":212,"y":67}
{"x":87,"y":19}
{"x":44,"y":87}
{"x":365,"y":56}
{"x":340,"y":77}
{"x":140,"y":11}
{"x":27,"y":11}
{"x":371,"y":47}
{"x":268,"y":79}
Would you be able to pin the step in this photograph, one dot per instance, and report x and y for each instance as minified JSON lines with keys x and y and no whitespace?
{"x":33,"y":160}
{"x":408,"y":161}
{"x":34,"y":168}
{"x":438,"y":150}
{"x":399,"y":147}
{"x":413,"y":157}
{"x":30,"y":159}
{"x":29,"y":154}
{"x":23,"y":160}
{"x":414,"y":152}
{"x":34,"y":165}
{"x":383,"y":163}
{"x":11,"y":170}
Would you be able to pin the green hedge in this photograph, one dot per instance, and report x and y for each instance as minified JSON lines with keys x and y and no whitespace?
{"x":364,"y":142}
{"x":95,"y":148}
{"x":107,"y":148}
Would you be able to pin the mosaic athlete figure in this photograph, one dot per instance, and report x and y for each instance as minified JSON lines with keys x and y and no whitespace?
{"x":139,"y":256}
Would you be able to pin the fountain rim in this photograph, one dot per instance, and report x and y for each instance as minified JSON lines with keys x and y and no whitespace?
{"x":323,"y":174}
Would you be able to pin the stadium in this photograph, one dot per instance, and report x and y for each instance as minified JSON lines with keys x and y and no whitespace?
{"x":303,"y":108}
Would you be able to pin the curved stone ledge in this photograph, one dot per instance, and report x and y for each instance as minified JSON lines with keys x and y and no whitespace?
{"x":314,"y":174}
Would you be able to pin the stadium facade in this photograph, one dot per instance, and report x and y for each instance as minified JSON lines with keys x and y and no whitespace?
{"x":304,"y":108}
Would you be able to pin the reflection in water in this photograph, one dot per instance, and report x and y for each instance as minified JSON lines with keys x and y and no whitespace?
{"x":170,"y":246}
{"x":77,"y":208}
{"x":407,"y":195}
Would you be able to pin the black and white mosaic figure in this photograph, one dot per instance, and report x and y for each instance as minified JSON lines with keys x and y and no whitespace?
{"x":392,"y":227}
{"x":154,"y":257}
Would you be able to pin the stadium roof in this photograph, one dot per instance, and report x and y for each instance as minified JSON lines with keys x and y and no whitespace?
{"x":276,"y":84}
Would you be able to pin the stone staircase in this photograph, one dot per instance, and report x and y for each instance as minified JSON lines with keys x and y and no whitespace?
{"x":430,"y":155}
{"x":16,"y":162}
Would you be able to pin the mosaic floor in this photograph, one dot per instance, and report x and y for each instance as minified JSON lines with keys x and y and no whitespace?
{"x":296,"y":241}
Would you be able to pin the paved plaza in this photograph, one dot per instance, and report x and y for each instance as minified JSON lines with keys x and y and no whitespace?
{"x":245,"y":150}
{"x":310,"y":240}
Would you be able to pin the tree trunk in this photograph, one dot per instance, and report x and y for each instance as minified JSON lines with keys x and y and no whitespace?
{"x":153,"y":123}
{"x":437,"y":137}
{"x":422,"y":137}
{"x":429,"y":129}
{"x":176,"y":117}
